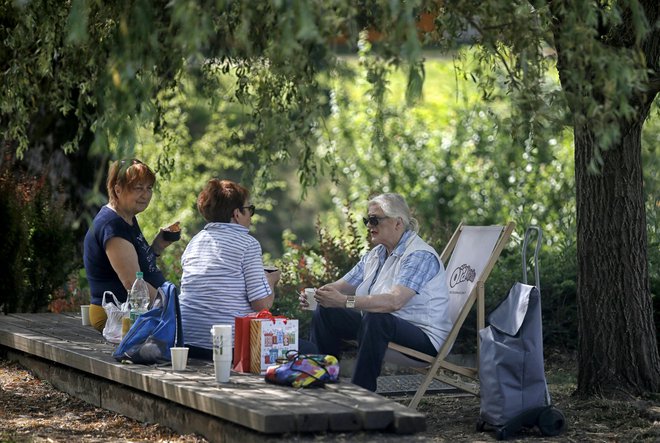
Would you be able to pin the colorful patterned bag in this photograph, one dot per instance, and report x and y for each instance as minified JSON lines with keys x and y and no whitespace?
{"x":242,"y":358}
{"x":305,"y":371}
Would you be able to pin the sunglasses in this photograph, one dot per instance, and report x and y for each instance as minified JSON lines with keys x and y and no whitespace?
{"x":373,"y":220}
{"x":250,"y":208}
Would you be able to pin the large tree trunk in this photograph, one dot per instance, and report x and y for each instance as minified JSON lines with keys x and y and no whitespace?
{"x":618,"y":353}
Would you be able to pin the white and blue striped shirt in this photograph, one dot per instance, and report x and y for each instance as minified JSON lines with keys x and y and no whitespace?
{"x":223,"y":273}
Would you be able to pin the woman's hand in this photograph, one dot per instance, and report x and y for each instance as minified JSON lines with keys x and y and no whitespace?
{"x":302,"y":299}
{"x":329,"y":297}
{"x":165,"y":237}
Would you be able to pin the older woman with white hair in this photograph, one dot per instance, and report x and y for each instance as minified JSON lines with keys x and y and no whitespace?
{"x":396,"y":293}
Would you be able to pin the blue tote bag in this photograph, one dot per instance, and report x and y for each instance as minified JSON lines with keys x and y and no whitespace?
{"x":153,"y":334}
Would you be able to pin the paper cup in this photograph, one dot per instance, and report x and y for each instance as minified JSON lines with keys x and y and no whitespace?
{"x":179,"y":358}
{"x":222,"y":352}
{"x":221,"y":337}
{"x":311,"y":301}
{"x":84,"y":313}
{"x":222,"y":370}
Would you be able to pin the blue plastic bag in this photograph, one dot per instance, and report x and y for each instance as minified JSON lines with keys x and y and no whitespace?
{"x":153,"y":334}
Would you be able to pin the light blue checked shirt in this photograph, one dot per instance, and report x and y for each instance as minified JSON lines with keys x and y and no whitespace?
{"x":417,"y":270}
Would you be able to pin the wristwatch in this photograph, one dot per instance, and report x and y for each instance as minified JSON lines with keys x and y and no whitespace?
{"x":350,"y":302}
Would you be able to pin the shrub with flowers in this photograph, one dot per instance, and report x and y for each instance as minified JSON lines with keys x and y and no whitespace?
{"x":38,"y":250}
{"x":72,"y":294}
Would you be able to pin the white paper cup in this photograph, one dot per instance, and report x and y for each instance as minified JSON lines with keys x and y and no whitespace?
{"x":222,"y":370}
{"x":311,"y":301}
{"x":84,"y":313}
{"x":179,"y":358}
{"x":222,"y":351}
{"x":221,"y":338}
{"x":221,"y":331}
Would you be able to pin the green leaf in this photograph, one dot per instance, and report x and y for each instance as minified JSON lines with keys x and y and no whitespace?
{"x":77,"y":23}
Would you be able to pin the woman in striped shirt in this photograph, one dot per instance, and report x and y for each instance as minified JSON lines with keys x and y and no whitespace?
{"x":223,"y":272}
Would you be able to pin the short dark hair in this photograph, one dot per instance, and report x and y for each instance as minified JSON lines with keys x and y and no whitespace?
{"x":219,"y":198}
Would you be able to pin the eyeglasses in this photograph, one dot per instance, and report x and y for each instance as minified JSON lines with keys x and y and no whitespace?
{"x":250,"y":208}
{"x":373,"y":220}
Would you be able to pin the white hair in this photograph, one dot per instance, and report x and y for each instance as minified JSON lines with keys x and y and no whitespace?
{"x":394,"y":206}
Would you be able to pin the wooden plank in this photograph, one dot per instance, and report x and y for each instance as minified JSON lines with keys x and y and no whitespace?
{"x":312,"y":412}
{"x":340,"y":417}
{"x":372,"y":410}
{"x":407,"y":420}
{"x":59,"y":328}
{"x":266,"y":413}
{"x":246,"y":400}
{"x":223,"y":403}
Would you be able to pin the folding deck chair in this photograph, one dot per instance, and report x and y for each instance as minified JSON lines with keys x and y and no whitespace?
{"x":474,"y":251}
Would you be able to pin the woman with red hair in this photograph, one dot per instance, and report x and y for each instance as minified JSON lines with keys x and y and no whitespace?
{"x":223,"y":272}
{"x":114,"y":248}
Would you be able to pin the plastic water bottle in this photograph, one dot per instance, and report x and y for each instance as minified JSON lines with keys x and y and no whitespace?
{"x":139,"y":296}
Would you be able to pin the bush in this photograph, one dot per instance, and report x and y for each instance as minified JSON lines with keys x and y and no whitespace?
{"x":170,"y":262}
{"x":71,"y":295}
{"x":39,"y":250}
{"x":13,"y":245}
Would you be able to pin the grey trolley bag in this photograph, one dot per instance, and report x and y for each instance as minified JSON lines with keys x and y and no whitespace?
{"x":514,"y":393}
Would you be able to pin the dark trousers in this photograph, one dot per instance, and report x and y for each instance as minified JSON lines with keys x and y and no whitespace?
{"x":373,"y":331}
{"x":200,"y":353}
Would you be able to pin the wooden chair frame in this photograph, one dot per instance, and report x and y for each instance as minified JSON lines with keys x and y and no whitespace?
{"x":438,"y":367}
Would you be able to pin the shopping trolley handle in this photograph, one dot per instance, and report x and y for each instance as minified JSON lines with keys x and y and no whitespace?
{"x":539,"y":236}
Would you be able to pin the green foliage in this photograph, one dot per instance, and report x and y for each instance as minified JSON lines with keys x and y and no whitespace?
{"x":170,"y":263}
{"x":451,"y":155}
{"x":233,"y":88}
{"x":13,"y":245}
{"x":70,"y":296}
{"x":39,"y":253}
{"x":651,"y":161}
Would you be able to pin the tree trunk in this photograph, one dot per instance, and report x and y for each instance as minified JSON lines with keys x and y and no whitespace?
{"x":618,"y":354}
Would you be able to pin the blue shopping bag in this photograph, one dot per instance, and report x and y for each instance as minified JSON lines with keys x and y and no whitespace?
{"x":153,"y":334}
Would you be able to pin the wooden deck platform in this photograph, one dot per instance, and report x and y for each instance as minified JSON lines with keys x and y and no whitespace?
{"x":60,"y":341}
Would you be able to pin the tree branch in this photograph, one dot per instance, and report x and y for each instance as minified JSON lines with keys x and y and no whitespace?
{"x":514,"y":80}
{"x":654,"y":84}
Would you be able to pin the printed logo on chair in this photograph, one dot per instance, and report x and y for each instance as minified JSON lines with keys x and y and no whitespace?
{"x":461,"y":274}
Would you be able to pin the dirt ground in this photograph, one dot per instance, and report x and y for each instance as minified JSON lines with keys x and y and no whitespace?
{"x":33,"y":411}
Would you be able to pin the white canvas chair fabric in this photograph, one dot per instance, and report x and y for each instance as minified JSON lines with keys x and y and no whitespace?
{"x":474,"y":251}
{"x":468,"y":261}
